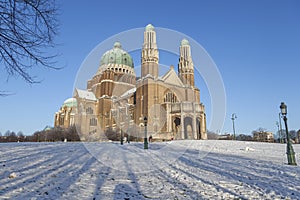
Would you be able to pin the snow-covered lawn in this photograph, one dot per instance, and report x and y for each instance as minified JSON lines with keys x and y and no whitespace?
{"x":172,"y":170}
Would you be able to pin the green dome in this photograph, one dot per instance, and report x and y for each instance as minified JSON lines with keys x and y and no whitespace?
{"x":184,"y":42}
{"x":149,"y":27}
{"x":116,"y":56}
{"x":71,"y":102}
{"x":47,"y":128}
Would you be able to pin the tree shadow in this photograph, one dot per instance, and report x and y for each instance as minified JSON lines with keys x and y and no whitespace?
{"x":53,"y":177}
{"x":124,"y":192}
{"x":262,"y":176}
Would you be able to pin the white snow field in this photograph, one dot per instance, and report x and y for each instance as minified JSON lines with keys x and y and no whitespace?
{"x":170,"y":170}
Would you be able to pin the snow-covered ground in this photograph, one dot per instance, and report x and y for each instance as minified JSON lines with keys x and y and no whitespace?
{"x":171,"y":170}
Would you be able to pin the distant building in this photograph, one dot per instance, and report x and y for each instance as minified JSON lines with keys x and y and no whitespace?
{"x":115,"y":99}
{"x":225,"y":137}
{"x":297,"y":140}
{"x":263,"y":136}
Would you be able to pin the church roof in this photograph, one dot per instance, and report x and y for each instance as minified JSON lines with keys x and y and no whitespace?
{"x":84,"y":94}
{"x":128,"y":92}
{"x":171,"y":78}
{"x":117,"y":56}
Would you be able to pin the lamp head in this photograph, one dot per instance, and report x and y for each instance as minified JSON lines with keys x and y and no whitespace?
{"x":233,"y":116}
{"x":283,"y":109}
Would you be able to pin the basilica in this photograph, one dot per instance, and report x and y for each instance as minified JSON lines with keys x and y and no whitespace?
{"x":118,"y":100}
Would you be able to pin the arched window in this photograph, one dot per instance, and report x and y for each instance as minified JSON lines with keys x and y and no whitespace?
{"x":93,"y":122}
{"x":170,"y":97}
{"x":89,"y":110}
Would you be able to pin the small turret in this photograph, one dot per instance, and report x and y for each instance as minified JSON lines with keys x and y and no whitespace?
{"x":185,"y":65}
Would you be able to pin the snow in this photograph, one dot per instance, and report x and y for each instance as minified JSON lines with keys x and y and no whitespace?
{"x":170,"y":170}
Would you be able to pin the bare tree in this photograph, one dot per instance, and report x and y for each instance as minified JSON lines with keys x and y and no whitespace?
{"x":20,"y":134}
{"x":293,"y":134}
{"x":27,"y":28}
{"x":212,"y":135}
{"x":7,"y":133}
{"x":244,"y":137}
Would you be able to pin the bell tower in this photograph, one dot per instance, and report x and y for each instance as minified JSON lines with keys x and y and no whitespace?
{"x":149,"y":53}
{"x":185,"y":65}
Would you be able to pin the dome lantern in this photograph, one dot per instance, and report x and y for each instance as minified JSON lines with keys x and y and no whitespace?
{"x":184,"y":42}
{"x":117,"y":45}
{"x":149,"y":27}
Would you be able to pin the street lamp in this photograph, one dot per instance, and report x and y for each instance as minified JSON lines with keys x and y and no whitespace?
{"x":277,"y":124}
{"x":233,"y":117}
{"x":121,"y":133}
{"x":121,"y":125}
{"x":129,"y":127}
{"x":289,"y":149}
{"x":127,"y":118}
{"x":141,"y":125}
{"x":145,"y":137}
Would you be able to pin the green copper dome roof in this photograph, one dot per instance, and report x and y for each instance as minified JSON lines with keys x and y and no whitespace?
{"x":116,"y":56}
{"x":184,"y":42}
{"x":149,"y":27}
{"x":71,"y":102}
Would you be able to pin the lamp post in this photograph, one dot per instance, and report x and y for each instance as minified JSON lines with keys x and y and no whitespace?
{"x":121,"y":133}
{"x":128,"y":130}
{"x":233,"y":117}
{"x":289,"y":149}
{"x":280,"y":134}
{"x":128,"y":118}
{"x":131,"y":127}
{"x":130,"y":122}
{"x":121,"y":126}
{"x":145,"y":137}
{"x":277,"y":124}
{"x":140,"y":132}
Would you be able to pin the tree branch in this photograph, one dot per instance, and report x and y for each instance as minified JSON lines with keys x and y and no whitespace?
{"x":27,"y":28}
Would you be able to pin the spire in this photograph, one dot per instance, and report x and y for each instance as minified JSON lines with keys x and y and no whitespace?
{"x":185,"y":65}
{"x":149,"y":53}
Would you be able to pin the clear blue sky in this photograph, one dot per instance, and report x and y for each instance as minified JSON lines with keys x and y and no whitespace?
{"x":255,"y":44}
